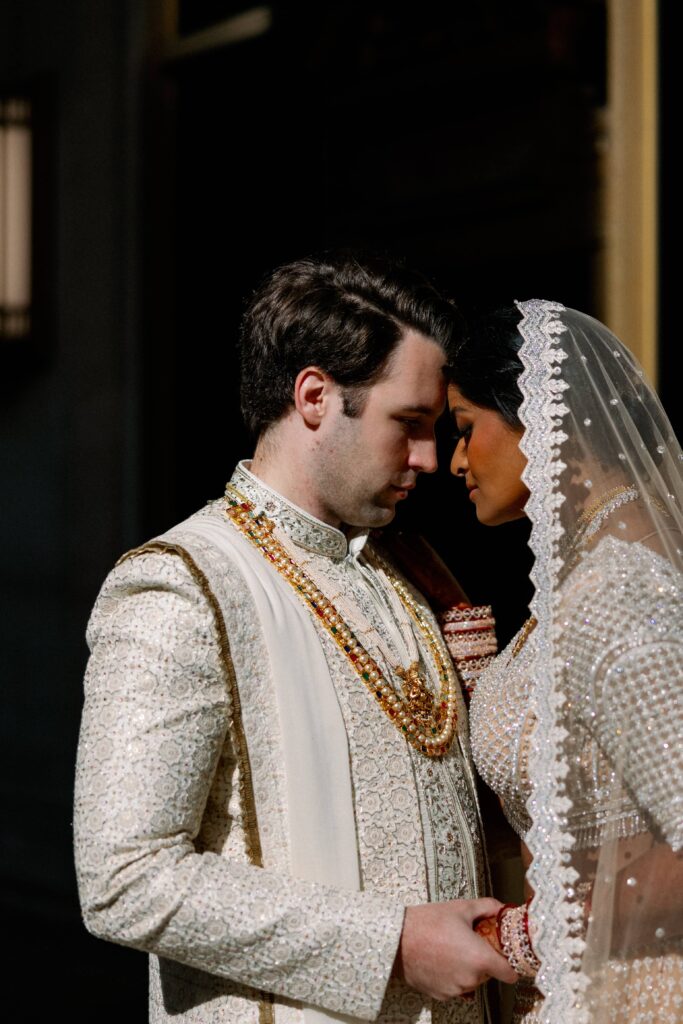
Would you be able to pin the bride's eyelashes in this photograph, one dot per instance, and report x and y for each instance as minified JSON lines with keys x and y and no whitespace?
{"x":457,"y":434}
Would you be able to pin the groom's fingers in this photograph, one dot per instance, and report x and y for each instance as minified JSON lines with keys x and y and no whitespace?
{"x":485,"y":907}
{"x":495,"y":965}
{"x":442,"y":956}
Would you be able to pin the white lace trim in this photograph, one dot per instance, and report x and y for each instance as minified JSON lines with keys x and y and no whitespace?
{"x":557,"y":921}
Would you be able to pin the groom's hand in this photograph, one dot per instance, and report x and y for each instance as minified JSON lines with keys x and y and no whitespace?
{"x":441,"y":956}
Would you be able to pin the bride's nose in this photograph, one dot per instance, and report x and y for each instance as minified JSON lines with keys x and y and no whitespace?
{"x":459,"y":464}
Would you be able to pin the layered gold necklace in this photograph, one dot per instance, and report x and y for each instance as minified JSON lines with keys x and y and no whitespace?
{"x":428,"y":721}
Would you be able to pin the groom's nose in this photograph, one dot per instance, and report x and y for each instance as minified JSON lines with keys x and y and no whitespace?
{"x":459,"y":464}
{"x":422,"y":456}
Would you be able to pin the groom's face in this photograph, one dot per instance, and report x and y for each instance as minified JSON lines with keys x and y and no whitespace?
{"x":371,"y":461}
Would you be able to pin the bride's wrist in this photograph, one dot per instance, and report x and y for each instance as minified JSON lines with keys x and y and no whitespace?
{"x":515,"y":939}
{"x":470,"y":635}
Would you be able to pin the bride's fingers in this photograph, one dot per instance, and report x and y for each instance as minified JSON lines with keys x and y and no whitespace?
{"x":488,"y":930}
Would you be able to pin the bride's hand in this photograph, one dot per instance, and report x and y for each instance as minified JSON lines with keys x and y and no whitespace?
{"x":487,"y":928}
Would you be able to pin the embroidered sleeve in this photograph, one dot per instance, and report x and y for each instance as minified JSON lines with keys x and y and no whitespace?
{"x":639,"y":724}
{"x":624,"y":645}
{"x":155,"y":733}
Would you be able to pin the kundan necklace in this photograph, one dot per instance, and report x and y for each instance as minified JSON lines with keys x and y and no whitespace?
{"x":427,"y":721}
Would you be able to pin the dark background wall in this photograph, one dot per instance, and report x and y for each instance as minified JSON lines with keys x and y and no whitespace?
{"x":466,"y":141}
{"x":69,"y":480}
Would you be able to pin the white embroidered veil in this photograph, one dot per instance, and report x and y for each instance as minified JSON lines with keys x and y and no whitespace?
{"x":604,"y":472}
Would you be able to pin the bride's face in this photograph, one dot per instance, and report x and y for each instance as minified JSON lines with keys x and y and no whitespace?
{"x":488,"y":458}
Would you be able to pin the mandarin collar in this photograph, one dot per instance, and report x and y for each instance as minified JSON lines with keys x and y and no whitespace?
{"x":300,"y":526}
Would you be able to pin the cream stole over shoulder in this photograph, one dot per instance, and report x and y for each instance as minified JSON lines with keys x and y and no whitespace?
{"x":296,"y":732}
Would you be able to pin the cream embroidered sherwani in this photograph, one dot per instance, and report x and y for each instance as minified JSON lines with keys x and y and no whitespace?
{"x":245,"y":811}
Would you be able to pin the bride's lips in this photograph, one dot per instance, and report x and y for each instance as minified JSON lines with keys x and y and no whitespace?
{"x":473,"y":491}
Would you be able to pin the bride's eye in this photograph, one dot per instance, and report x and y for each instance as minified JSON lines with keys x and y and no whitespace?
{"x":459,"y":433}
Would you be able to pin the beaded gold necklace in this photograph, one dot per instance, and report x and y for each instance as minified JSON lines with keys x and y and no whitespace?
{"x":428,"y":722}
{"x":591,"y":518}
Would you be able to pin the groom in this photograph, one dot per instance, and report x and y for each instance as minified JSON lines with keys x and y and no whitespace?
{"x":274,"y":793}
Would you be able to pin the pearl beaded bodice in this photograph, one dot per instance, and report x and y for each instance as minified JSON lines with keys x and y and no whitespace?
{"x":621,"y":636}
{"x":499,"y":721}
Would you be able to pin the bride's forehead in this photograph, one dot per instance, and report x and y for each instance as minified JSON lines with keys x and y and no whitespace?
{"x":457,"y":401}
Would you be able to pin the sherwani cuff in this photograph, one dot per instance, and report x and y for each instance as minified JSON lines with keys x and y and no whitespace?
{"x":369,"y":959}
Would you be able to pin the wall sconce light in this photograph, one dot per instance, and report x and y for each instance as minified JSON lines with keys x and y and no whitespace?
{"x":16,"y":218}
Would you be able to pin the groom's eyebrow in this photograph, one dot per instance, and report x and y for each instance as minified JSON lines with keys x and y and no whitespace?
{"x":419,"y":410}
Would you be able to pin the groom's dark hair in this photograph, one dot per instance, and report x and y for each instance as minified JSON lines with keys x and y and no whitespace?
{"x":342,"y":313}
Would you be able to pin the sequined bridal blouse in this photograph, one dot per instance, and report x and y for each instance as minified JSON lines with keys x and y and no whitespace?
{"x":621,"y":620}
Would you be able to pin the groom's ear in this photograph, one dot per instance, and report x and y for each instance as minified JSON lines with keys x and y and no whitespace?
{"x":314,"y":390}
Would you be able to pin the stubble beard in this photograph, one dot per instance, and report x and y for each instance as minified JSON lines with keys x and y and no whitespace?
{"x":344,"y":495}
{"x":346,"y":488}
{"x":343,"y":489}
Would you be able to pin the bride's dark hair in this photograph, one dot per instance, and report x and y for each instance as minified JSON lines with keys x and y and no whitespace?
{"x":486,"y":364}
{"x":485,"y":367}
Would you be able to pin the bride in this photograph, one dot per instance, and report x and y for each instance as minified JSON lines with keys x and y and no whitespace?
{"x":578,"y":724}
